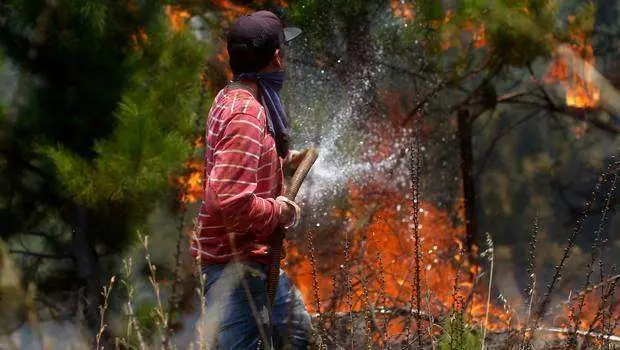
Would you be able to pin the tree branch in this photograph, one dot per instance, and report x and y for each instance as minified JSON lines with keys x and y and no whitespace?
{"x":40,"y":255}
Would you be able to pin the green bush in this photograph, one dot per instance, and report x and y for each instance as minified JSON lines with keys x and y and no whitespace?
{"x":459,"y":335}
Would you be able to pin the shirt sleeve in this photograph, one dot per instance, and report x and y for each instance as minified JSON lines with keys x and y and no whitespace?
{"x":233,"y":178}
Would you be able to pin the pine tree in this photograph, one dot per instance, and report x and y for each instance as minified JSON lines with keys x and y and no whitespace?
{"x":108,"y":120}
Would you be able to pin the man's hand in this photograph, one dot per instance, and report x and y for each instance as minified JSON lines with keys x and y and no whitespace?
{"x":289,"y":213}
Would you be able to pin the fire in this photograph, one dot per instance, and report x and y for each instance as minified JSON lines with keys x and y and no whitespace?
{"x":402,"y":10}
{"x":479,"y":36}
{"x":229,"y":10}
{"x":376,"y":269}
{"x":191,"y":182}
{"x":177,"y":17}
{"x":575,"y":72}
{"x":592,"y":314}
{"x":138,"y":38}
{"x":452,"y":35}
{"x":382,"y":262}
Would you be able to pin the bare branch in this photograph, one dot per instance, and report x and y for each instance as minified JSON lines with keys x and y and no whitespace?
{"x":40,"y":255}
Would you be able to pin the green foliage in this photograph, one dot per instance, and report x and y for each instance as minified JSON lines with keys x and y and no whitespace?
{"x":78,"y":50}
{"x":516,"y":32}
{"x":73,"y":59}
{"x":94,"y":13}
{"x":457,"y":335}
{"x":146,"y":317}
{"x":109,"y":110}
{"x":321,"y":19}
{"x":154,"y":132}
{"x":583,"y":20}
{"x":429,"y":10}
{"x":313,"y":17}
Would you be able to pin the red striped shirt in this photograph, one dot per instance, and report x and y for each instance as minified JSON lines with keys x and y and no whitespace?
{"x":243,"y":175}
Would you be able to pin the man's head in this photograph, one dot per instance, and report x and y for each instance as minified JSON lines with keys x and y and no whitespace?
{"x":255,"y":42}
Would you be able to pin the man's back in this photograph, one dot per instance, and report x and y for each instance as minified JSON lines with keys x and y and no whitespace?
{"x":243,"y":175}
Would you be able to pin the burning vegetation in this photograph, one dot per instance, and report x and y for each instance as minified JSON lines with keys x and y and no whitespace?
{"x":371,"y":278}
{"x":191,"y":182}
{"x":177,"y":17}
{"x":402,"y":10}
{"x":385,"y":266}
{"x":375,"y":272}
{"x":574,"y":71}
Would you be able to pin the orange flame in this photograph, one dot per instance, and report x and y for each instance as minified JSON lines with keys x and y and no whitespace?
{"x":480,"y":36}
{"x":452,"y":35}
{"x":575,"y":72}
{"x":402,"y":10}
{"x":138,"y":38}
{"x":380,"y":256}
{"x":191,"y":182}
{"x":177,"y":17}
{"x":591,"y":313}
{"x":379,"y":261}
{"x":381,"y":250}
{"x":229,"y":10}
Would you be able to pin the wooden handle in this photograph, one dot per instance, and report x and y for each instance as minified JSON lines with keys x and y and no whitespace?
{"x":278,"y":236}
{"x":301,"y":173}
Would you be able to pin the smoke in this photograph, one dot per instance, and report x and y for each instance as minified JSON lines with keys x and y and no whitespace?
{"x":48,"y":335}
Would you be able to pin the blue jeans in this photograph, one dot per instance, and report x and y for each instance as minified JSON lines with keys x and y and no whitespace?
{"x":236,"y":298}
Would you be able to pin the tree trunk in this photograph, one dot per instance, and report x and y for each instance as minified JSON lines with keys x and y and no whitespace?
{"x":359,"y":70}
{"x":467,"y":175}
{"x":86,"y":261}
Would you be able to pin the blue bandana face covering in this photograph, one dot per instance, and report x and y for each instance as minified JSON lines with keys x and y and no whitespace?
{"x":269,"y":84}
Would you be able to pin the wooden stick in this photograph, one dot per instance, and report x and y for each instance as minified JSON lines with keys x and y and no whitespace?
{"x":278,"y":236}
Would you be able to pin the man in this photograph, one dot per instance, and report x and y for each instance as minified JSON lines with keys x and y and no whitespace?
{"x":247,"y":142}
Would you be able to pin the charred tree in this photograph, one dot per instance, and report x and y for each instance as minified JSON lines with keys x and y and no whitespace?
{"x":467,"y":177}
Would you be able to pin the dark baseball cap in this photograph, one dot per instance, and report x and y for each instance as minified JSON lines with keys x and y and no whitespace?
{"x":253,"y":39}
